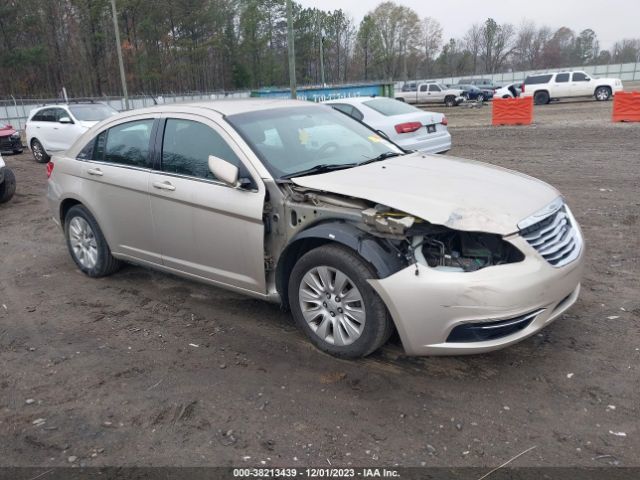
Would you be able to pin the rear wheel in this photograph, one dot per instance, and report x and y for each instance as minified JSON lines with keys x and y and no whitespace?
{"x":334,"y":304}
{"x":39,"y":152}
{"x":87,"y":244}
{"x":603,"y":94}
{"x":8,"y":186}
{"x":541,"y":98}
{"x":400,"y":99}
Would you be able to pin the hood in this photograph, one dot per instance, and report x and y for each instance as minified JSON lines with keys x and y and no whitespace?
{"x":6,"y":131}
{"x":454,"y":192}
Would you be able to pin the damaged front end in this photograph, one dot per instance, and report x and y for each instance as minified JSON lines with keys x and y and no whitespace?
{"x":436,"y":246}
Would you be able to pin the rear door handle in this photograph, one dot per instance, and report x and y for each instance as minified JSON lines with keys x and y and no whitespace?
{"x":95,"y":171}
{"x":164,"y":186}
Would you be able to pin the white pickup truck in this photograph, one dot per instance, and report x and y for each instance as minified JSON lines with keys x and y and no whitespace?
{"x":545,"y":87}
{"x":431,"y":93}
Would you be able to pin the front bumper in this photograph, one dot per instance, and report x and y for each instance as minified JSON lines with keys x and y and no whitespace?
{"x":428,"y":306}
{"x":10,"y":145}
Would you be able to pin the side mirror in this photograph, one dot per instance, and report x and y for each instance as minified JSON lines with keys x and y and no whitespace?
{"x":65,"y":120}
{"x":223,"y":170}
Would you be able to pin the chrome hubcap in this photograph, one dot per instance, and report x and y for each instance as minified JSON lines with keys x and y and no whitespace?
{"x":602,"y":95}
{"x":37,"y":151}
{"x":83,"y":242}
{"x":332,"y":305}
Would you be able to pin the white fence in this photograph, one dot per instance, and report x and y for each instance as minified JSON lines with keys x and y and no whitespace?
{"x":16,"y":111}
{"x":625,"y":71}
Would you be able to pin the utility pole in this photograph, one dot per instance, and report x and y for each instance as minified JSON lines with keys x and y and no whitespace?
{"x":322,"y":56}
{"x":119,"y":50}
{"x":291,"y":49}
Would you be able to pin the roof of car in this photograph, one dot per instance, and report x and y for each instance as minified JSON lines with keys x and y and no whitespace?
{"x":228,"y":107}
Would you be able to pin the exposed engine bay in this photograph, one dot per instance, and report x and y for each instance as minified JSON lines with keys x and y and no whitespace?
{"x":412,"y":240}
{"x":438,"y":246}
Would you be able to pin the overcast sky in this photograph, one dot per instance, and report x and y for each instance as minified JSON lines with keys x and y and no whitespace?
{"x":612,"y":20}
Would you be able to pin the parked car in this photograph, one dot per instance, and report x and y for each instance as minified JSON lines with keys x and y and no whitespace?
{"x":432,"y":93}
{"x":471,"y":92}
{"x":54,"y":128}
{"x":482,"y":83}
{"x":294,"y":202}
{"x":7,"y":182}
{"x":10,"y":141}
{"x":511,"y":90}
{"x":554,"y":86}
{"x":405,"y":125}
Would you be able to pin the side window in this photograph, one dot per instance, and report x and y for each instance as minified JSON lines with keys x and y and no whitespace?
{"x":357,"y":114}
{"x":562,"y":78}
{"x":47,"y":115}
{"x":580,"y":77}
{"x":127,"y":143}
{"x":59,"y":113}
{"x":38,"y":116}
{"x":434,"y":88}
{"x":423,"y":88}
{"x":186,"y":147}
{"x":87,"y":152}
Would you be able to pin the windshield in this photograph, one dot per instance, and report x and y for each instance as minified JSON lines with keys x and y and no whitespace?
{"x":443,"y":86}
{"x":296,"y":139}
{"x":92,"y":113}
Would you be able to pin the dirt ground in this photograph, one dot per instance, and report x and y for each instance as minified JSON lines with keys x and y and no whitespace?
{"x":143,"y":368}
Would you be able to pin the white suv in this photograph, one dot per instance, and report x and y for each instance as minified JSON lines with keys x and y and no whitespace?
{"x":54,"y":128}
{"x":553,"y":86}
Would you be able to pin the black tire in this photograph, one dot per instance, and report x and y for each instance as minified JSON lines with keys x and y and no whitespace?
{"x":602,"y":94}
{"x":39,"y":153}
{"x":480,"y":98}
{"x":8,"y":186}
{"x":506,"y":96}
{"x":105,"y":264}
{"x":17,"y":152}
{"x":400,"y":99}
{"x":541,"y":98}
{"x":378,"y":326}
{"x":450,"y":101}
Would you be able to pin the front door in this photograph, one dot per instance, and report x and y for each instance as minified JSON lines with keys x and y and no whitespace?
{"x":205,"y":227}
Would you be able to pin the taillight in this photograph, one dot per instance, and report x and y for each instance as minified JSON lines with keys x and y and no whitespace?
{"x":49,"y":169}
{"x":444,"y":121}
{"x":408,"y":127}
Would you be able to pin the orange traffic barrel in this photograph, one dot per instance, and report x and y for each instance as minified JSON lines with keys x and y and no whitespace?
{"x":626,"y":107}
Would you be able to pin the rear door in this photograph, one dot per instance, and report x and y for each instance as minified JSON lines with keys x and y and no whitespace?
{"x":44,"y":123}
{"x":560,"y":86}
{"x":116,"y":168}
{"x":205,"y":227}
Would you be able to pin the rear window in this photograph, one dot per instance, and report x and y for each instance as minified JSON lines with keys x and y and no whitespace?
{"x":389,"y":107}
{"x":536,"y":79}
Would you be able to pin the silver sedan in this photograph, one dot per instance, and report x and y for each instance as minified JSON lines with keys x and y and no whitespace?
{"x":298,"y":204}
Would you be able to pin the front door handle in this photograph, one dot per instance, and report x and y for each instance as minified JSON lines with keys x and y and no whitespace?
{"x":95,"y":171}
{"x":164,"y":186}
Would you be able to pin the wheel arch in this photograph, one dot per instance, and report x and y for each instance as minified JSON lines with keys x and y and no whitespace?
{"x":382,"y":258}
{"x":603,"y":86}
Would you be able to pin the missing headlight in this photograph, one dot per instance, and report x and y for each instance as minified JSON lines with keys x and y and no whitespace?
{"x":463,"y":251}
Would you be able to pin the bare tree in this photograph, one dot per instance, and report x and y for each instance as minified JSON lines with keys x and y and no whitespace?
{"x":432,"y":35}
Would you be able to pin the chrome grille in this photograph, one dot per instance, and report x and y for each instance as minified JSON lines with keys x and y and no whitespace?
{"x":555,"y":237}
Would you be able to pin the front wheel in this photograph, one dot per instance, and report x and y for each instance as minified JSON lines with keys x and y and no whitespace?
{"x":334,"y":304}
{"x":8,"y":186}
{"x":450,"y":101}
{"x":603,"y":94}
{"x":400,"y":99}
{"x":87,"y":245}
{"x":39,"y":152}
